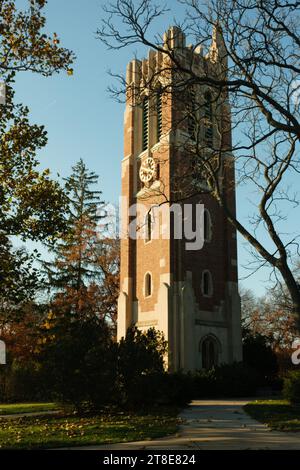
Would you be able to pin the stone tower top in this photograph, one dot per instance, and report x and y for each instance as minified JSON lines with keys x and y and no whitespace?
{"x":217,"y":49}
{"x":174,"y":38}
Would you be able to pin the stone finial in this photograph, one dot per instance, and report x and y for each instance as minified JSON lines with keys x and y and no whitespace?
{"x":199,"y":50}
{"x":174,"y":38}
{"x":136,"y":71}
{"x":217,"y":50}
{"x":129,"y":73}
{"x":133,"y":72}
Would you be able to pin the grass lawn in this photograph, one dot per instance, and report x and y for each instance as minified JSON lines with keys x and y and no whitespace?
{"x":277,"y":414}
{"x":15,"y":408}
{"x":66,"y":431}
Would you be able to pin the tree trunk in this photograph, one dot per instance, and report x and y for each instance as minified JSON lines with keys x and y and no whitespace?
{"x":294,"y":290}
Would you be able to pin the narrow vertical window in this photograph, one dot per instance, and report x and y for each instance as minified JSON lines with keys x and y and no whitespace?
{"x":208,"y":117}
{"x":148,"y":227}
{"x":192,"y":115}
{"x":158,"y":171}
{"x":207,"y":285}
{"x":209,"y":352}
{"x":159,"y":114}
{"x":145,"y":123}
{"x":148,"y":285}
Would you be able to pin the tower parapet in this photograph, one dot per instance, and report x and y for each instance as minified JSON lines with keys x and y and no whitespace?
{"x":174,"y":38}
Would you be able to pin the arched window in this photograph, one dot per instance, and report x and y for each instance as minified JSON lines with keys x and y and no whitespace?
{"x":207,"y":284}
{"x":208,"y":118}
{"x":207,"y":225}
{"x":148,"y":285}
{"x":148,"y":226}
{"x":209,"y":348}
{"x":145,"y":123}
{"x":159,"y":114}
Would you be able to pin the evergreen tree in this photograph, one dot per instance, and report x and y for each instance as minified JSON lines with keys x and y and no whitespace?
{"x":84,"y":201}
{"x":84,"y":275}
{"x":74,"y":263}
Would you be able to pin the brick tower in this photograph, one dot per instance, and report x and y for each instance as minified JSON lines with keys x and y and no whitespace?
{"x":191,"y":295}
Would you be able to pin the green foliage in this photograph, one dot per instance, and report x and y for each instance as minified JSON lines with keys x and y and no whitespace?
{"x":79,"y":363}
{"x":279,"y":415}
{"x":75,"y":255}
{"x":71,"y":430}
{"x":205,"y":383}
{"x":84,"y":202}
{"x":141,"y":353}
{"x":227,"y":380}
{"x":24,"y":45}
{"x":31,"y":204}
{"x":83,"y":278}
{"x":24,"y":383}
{"x":86,"y":369}
{"x":142,"y":379}
{"x":176,"y":389}
{"x":291,"y":386}
{"x":19,"y":327}
{"x":140,"y":359}
{"x":19,"y":279}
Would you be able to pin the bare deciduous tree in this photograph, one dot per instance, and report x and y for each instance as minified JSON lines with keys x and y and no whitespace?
{"x":270,"y":316}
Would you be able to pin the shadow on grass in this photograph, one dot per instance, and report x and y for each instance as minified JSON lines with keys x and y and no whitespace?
{"x":46,"y":432}
{"x":277,"y":414}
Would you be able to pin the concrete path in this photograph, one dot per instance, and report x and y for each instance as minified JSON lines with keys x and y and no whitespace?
{"x":212,"y":425}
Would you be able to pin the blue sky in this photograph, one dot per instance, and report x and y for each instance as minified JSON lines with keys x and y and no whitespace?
{"x":81,"y":118}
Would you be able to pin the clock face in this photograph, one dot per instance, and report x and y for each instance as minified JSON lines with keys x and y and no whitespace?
{"x":147,"y":170}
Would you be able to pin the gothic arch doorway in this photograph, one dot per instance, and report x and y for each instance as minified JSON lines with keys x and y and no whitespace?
{"x":210,"y":349}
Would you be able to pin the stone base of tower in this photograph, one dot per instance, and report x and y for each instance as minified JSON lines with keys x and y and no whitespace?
{"x":193,"y":335}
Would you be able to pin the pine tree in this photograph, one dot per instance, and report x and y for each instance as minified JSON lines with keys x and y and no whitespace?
{"x":74,"y":261}
{"x":84,"y":276}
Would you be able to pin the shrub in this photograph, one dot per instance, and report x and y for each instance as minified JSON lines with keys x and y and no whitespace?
{"x":236,"y":380}
{"x":142,"y":380}
{"x":159,"y":389}
{"x":177,"y":389}
{"x":227,"y":380}
{"x":24,"y":383}
{"x":204,"y":384}
{"x":79,"y":365}
{"x":291,"y":386}
{"x":140,"y":367}
{"x":258,"y":355}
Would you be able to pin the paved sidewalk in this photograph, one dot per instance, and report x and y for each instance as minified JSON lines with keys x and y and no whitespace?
{"x":212,"y":425}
